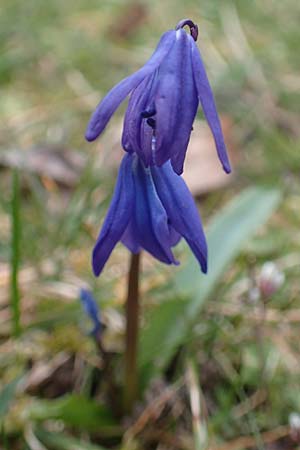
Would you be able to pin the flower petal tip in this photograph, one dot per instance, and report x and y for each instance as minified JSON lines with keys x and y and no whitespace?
{"x":179,"y":172}
{"x":96,"y":271}
{"x":97,"y":268}
{"x":90,"y":135}
{"x":227,"y":168}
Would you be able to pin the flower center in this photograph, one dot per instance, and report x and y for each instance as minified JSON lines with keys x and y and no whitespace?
{"x":192,"y":26}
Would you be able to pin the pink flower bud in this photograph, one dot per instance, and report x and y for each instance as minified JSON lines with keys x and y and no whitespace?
{"x":270,"y":279}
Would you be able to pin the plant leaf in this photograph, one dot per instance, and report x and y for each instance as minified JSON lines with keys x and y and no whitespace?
{"x":170,"y":323}
{"x":60,"y":441}
{"x":7,"y":395}
{"x":77,"y":411}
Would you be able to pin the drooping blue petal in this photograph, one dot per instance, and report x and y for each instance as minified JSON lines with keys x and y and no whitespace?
{"x":188,"y":106}
{"x":167,"y":99}
{"x":174,"y":236}
{"x":132,"y":121}
{"x":181,"y":210}
{"x":141,"y":100}
{"x":112,"y":100}
{"x":130,"y":238}
{"x":150,"y":218}
{"x":118,"y":215}
{"x":148,"y":125}
{"x":206,"y":98}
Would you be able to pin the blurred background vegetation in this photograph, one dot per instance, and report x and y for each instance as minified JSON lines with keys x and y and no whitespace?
{"x":219,"y":355}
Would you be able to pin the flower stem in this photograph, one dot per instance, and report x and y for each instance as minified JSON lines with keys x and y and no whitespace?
{"x":131,"y":338}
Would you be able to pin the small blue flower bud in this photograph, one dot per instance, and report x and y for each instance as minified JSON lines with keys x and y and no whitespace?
{"x":91,"y":309}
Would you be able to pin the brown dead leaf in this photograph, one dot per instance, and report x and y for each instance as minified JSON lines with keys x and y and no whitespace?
{"x":52,"y":378}
{"x":42,"y":371}
{"x":202,"y":170}
{"x":268,"y":437}
{"x":61,"y":165}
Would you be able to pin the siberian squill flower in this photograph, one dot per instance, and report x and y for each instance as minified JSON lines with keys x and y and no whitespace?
{"x":151,"y":209}
{"x":164,"y":98}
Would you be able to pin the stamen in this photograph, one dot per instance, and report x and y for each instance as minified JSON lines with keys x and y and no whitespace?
{"x":148,"y":113}
{"x":153,"y":144}
{"x":192,"y":26}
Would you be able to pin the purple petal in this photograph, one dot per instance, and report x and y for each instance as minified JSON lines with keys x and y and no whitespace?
{"x":129,"y":238}
{"x":206,"y":98}
{"x":112,"y":100}
{"x":118,"y":216}
{"x":174,"y":236}
{"x":167,"y":99}
{"x":151,"y":221}
{"x":188,"y":108}
{"x":140,"y":100}
{"x":132,"y":120}
{"x":181,"y":209}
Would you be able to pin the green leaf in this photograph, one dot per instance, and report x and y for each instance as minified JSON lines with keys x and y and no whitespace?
{"x":166,"y":325}
{"x":7,"y":395}
{"x":59,"y":441}
{"x":170,"y":323}
{"x":228,"y":233}
{"x":76,"y":411}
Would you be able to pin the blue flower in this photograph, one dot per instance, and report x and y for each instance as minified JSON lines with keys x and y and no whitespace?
{"x":165,"y":94}
{"x":151,"y":209}
{"x":91,"y":309}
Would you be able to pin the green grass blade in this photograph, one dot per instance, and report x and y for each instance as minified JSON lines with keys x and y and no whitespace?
{"x":3,"y":437}
{"x":15,"y":252}
{"x":60,"y":441}
{"x":7,"y":395}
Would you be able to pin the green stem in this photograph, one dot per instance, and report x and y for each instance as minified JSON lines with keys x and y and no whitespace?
{"x":131,"y":338}
{"x":15,"y":253}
